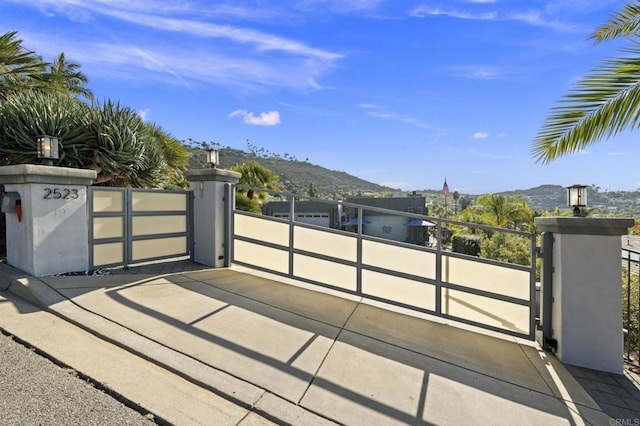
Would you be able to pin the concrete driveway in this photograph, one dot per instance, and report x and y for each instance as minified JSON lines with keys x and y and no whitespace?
{"x":299,"y":356}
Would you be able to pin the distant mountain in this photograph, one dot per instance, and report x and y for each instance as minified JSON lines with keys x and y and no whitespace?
{"x":542,"y":198}
{"x":611,"y":203}
{"x":298,"y":176}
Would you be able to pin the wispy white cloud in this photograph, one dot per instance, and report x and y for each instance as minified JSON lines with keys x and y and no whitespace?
{"x":261,"y":40}
{"x":537,"y":18}
{"x":206,"y":51}
{"x":475,"y":72}
{"x":144,"y":113}
{"x":376,"y":111}
{"x":270,"y":118}
{"x":339,"y":6}
{"x":480,"y":135}
{"x":423,"y":11}
{"x":368,"y":106}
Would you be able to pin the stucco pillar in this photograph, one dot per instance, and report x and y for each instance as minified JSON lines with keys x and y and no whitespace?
{"x":208,"y":186}
{"x":587,"y":290}
{"x":51,"y":235}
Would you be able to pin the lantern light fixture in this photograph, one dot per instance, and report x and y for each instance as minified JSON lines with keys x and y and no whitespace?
{"x":47,"y":148}
{"x":576,"y":198}
{"x":213,"y":158}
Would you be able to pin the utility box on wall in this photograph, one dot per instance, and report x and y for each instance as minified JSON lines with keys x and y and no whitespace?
{"x":9,"y":202}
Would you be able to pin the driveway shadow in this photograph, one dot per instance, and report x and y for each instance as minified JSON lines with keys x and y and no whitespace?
{"x":348,"y":361}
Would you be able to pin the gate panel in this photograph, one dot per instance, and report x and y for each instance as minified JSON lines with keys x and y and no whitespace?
{"x":423,"y":276}
{"x":107,"y":227}
{"x":138,"y":225}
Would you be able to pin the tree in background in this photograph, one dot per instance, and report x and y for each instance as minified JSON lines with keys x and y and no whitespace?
{"x":456,"y":197}
{"x":39,"y":98}
{"x":19,"y":68}
{"x":604,"y":102}
{"x":257,"y":177}
{"x":502,"y":212}
{"x":23,"y":70}
{"x":67,"y":77}
{"x":507,"y":248}
{"x":505,"y":212}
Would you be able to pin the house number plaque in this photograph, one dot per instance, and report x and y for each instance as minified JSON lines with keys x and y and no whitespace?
{"x":60,"y":194}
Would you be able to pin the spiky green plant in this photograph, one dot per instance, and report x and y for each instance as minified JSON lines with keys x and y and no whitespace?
{"x":27,"y":114}
{"x":108,"y":138}
{"x":121,"y":150}
{"x":175,"y":156}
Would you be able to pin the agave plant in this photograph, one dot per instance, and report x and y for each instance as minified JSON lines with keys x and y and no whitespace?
{"x":27,"y":114}
{"x":108,"y":138}
{"x":120,"y":149}
{"x":174,"y":153}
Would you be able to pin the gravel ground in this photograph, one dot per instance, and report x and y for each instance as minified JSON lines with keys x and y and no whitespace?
{"x":35,"y":391}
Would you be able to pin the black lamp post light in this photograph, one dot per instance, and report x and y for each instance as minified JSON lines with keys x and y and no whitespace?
{"x":576,"y":198}
{"x":47,"y":149}
{"x":213,"y":158}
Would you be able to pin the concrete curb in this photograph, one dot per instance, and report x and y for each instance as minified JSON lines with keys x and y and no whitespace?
{"x":231,"y":388}
{"x":9,"y":275}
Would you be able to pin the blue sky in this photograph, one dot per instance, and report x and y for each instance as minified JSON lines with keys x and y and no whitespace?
{"x":398,"y":92}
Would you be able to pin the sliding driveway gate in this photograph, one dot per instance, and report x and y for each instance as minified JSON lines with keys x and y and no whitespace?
{"x":487,"y":293}
{"x":128,"y":226}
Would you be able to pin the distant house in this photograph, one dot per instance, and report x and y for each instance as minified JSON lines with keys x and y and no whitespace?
{"x":376,"y":224}
{"x":311,"y":212}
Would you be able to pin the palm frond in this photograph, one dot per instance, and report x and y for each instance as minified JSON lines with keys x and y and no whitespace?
{"x":624,"y":23}
{"x":602,"y":104}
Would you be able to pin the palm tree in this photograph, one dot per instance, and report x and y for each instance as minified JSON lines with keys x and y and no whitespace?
{"x":254,"y":175}
{"x":258,"y":176}
{"x":604,"y":102}
{"x":456,"y":197}
{"x":506,"y":212}
{"x":19,"y":68}
{"x":22,"y":70}
{"x":68,"y":78}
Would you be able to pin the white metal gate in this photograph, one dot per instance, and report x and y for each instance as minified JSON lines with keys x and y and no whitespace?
{"x":128,"y":226}
{"x":490,"y":294}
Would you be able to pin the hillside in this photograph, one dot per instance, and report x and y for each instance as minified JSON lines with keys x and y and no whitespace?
{"x":297,"y":177}
{"x":613,"y":203}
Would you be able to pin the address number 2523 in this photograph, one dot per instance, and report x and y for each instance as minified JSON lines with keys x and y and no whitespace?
{"x":60,"y":193}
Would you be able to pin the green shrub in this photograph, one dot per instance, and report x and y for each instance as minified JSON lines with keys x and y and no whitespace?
{"x":507,"y":247}
{"x":466,"y":244}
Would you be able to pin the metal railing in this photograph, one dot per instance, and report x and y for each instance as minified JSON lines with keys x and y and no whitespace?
{"x":3,"y":230}
{"x":372,"y":252}
{"x":631,"y":304}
